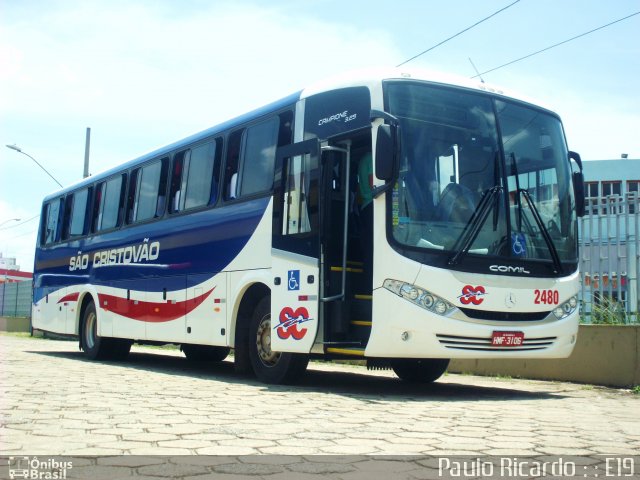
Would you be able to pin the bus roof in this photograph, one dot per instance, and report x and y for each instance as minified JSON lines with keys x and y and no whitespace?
{"x":371,"y":78}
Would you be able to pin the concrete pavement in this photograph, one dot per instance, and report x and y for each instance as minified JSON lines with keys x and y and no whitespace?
{"x":54,"y":402}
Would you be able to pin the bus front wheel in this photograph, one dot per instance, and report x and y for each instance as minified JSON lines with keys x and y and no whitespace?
{"x":269,"y":366}
{"x":420,"y":370}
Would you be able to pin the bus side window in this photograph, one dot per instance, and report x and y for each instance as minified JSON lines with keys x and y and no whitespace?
{"x":110,"y":203}
{"x":258,"y":157}
{"x":66,"y":216}
{"x":147,"y":198}
{"x":176,"y":197}
{"x":131,"y":196}
{"x":51,"y":222}
{"x":215,"y":181}
{"x":231,"y":165}
{"x":78,"y":214}
{"x":96,"y":216}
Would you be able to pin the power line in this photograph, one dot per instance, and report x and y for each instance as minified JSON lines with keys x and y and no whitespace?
{"x":459,"y":33}
{"x":555,"y":45}
{"x":23,"y":234}
{"x":21,"y":223}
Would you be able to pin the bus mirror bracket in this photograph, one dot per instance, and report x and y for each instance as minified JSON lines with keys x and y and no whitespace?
{"x":578,"y":185}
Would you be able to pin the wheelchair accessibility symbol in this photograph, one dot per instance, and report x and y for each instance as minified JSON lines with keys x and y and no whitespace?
{"x":519,"y":244}
{"x":294,"y":280}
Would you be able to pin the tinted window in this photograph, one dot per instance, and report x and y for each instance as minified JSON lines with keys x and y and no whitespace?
{"x":148,"y":191}
{"x":195,"y":176}
{"x":79,"y":212}
{"x":259,"y":157}
{"x":52,"y":217}
{"x":110,"y":203}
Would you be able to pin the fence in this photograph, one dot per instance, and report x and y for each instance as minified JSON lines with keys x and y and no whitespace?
{"x":610,"y":259}
{"x":15,"y":299}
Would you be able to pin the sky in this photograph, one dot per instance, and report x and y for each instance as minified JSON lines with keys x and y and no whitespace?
{"x":143,"y":74}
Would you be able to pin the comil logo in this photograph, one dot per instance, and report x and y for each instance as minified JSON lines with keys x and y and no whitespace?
{"x":508,"y":269}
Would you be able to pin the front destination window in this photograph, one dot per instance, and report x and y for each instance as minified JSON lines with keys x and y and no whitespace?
{"x":484,"y":183}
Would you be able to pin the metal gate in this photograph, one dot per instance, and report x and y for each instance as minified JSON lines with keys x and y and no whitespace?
{"x":610,"y":259}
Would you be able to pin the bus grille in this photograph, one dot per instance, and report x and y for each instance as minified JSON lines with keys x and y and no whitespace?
{"x":484,"y":343}
{"x":504,"y":316}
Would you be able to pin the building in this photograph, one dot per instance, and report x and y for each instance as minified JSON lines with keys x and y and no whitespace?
{"x":8,"y":263}
{"x":12,"y":276}
{"x":609,"y":240}
{"x":10,"y":271}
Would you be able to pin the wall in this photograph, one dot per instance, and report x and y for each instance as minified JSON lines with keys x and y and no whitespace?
{"x":15,"y":299}
{"x":604,"y":355}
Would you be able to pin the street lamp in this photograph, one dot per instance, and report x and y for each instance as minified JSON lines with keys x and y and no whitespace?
{"x":19,"y":150}
{"x":10,"y":220}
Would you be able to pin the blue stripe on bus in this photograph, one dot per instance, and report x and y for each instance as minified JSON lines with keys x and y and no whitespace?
{"x":193,"y":247}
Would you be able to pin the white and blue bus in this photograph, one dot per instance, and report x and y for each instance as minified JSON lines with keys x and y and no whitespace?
{"x":399,"y":218}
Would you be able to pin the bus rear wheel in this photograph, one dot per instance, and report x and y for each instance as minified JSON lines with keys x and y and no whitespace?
{"x":420,"y":370}
{"x":204,"y":353}
{"x":96,"y":347}
{"x":269,"y":366}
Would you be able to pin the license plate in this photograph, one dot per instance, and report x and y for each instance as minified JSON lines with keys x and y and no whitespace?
{"x":507,"y":339}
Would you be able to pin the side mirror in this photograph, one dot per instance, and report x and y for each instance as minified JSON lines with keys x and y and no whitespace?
{"x":578,"y":192}
{"x":578,"y":184}
{"x":386,"y":151}
{"x":576,"y":158}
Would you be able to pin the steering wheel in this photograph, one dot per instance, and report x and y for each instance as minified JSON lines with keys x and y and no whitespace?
{"x":457,"y":204}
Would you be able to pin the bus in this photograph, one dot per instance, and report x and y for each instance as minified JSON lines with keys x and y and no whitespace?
{"x":402,"y":218}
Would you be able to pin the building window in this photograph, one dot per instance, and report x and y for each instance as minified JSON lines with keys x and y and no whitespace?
{"x":609,"y":189}
{"x":591,"y":194}
{"x":633,"y":195}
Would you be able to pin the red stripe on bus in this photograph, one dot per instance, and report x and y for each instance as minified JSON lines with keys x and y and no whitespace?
{"x":72,"y":297}
{"x":150,"y":311}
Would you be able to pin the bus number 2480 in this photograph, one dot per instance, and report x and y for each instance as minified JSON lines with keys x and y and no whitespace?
{"x":546,"y":297}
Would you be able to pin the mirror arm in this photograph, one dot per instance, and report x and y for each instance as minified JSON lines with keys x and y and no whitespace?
{"x":375,"y":114}
{"x":379,"y":190}
{"x":576,"y":157}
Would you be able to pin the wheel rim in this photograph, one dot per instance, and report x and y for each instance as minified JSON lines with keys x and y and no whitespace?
{"x":263,"y":343}
{"x":90,"y":330}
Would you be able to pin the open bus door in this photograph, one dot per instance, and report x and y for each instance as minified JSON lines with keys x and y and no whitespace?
{"x":296,"y":248}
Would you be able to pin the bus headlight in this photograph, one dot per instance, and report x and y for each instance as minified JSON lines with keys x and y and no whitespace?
{"x":566,"y":309}
{"x":419,"y":296}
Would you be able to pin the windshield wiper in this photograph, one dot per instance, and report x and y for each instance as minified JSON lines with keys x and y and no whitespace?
{"x":557,"y":264}
{"x":473,"y":226}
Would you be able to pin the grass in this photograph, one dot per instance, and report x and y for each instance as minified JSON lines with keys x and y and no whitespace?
{"x":636,"y":389}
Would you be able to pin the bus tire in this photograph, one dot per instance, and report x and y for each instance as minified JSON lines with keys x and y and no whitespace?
{"x":204,"y":353}
{"x":271,"y":367}
{"x":118,"y":348}
{"x":93,"y":345}
{"x":419,"y":370}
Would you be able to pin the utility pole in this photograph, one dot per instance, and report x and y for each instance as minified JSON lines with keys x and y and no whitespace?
{"x":87,"y":144}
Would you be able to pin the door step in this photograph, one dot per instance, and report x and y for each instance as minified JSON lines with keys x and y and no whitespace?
{"x":349,"y":351}
{"x":363,"y":297}
{"x":361,"y":323}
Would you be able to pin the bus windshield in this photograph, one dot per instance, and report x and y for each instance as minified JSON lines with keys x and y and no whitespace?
{"x":481,"y":176}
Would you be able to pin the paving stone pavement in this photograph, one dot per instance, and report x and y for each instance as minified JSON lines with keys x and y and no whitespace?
{"x":54,"y":402}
